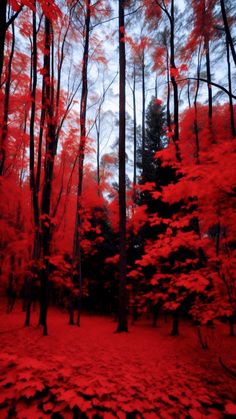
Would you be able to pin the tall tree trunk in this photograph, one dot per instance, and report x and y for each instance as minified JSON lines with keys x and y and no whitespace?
{"x":21,"y":177}
{"x":4,"y":25}
{"x":61,"y":56}
{"x":195,"y":107}
{"x":134,"y":131}
{"x":76,"y":256}
{"x":168,"y":116}
{"x":6,"y":106}
{"x":40,"y":142}
{"x":48,"y":175}
{"x":143,"y":109}
{"x":33,"y":187}
{"x":188,"y":94}
{"x":208,"y":69}
{"x":3,"y":11}
{"x":122,"y":314}
{"x":174,"y":83}
{"x":98,"y":128}
{"x":231,"y":107}
{"x":156,"y":87}
{"x":227,"y":30}
{"x":32,"y":138}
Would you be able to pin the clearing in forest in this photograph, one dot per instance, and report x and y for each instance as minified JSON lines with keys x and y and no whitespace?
{"x":93,"y":372}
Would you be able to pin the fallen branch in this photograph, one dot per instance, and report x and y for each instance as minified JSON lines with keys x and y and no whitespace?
{"x":227,"y":369}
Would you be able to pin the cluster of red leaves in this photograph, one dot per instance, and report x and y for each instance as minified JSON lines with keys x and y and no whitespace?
{"x":208,"y":184}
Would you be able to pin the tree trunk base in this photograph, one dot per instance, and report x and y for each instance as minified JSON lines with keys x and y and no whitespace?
{"x":121,"y":329}
{"x":175,"y":324}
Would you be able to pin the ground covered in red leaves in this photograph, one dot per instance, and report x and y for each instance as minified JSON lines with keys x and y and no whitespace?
{"x":92,"y":372}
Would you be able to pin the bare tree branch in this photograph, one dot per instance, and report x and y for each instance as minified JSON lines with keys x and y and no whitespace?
{"x":13,"y":17}
{"x":209,"y":82}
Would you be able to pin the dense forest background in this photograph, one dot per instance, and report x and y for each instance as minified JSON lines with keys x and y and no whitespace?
{"x":117,"y":158}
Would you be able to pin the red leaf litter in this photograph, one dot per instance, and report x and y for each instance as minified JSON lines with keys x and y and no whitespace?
{"x":92,"y":372}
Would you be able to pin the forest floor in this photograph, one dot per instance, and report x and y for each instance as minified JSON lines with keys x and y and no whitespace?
{"x":92,"y":372}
